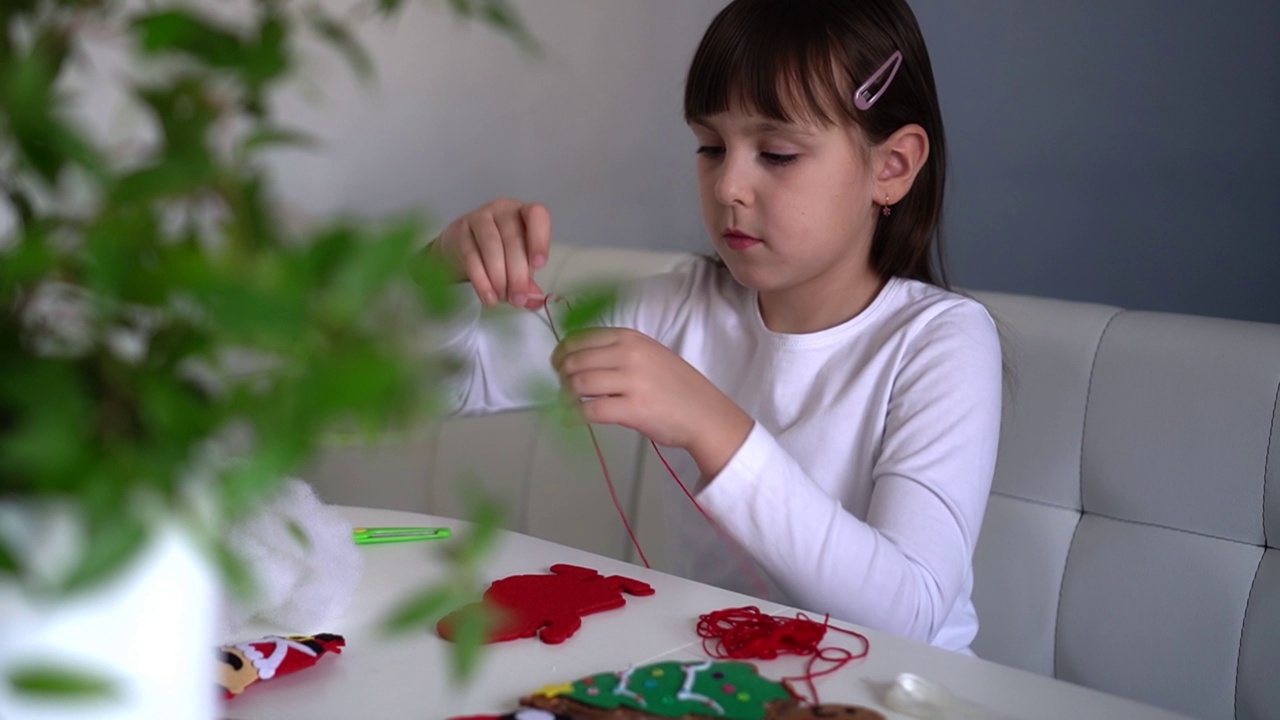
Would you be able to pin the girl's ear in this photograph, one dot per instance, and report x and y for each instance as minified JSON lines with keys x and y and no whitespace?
{"x":900,"y":158}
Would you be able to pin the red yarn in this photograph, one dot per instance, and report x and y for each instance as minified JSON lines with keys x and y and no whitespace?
{"x":760,"y":586}
{"x":746,"y":633}
{"x":613,"y":492}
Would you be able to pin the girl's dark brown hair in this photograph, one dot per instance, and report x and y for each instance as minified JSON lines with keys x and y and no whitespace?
{"x":800,"y":61}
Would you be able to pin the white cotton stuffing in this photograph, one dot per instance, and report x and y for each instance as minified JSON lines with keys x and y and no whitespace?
{"x":303,"y":560}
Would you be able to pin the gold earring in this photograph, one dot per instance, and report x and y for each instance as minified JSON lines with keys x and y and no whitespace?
{"x":885,"y":209}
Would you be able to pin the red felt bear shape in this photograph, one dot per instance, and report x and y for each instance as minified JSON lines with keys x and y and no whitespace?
{"x":549,"y":606}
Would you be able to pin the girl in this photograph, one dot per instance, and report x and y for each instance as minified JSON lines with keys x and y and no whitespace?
{"x":839,"y":407}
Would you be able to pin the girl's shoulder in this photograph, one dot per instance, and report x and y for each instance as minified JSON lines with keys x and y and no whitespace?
{"x":927,"y":302}
{"x":932,"y":313}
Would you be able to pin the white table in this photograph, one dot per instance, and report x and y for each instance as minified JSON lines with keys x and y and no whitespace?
{"x":408,"y":676}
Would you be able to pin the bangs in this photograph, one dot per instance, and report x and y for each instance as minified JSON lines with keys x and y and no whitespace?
{"x":770,"y":60}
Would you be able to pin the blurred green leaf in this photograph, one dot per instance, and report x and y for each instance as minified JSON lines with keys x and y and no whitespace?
{"x":175,"y":417}
{"x":23,"y":208}
{"x":299,"y":535}
{"x":114,"y":540}
{"x":340,"y":37}
{"x":234,"y":571}
{"x":188,"y":268}
{"x":246,"y":485}
{"x":369,"y":266}
{"x":358,"y":383}
{"x":253,"y":222}
{"x":28,"y":98}
{"x":474,"y":624}
{"x":74,"y":147}
{"x":8,"y":561}
{"x":266,"y":60}
{"x":276,"y":320}
{"x":55,"y":681}
{"x":499,"y":14}
{"x":186,"y":113}
{"x":436,"y":286}
{"x":29,"y":260}
{"x":53,"y":46}
{"x":419,"y":610}
{"x":171,"y":177}
{"x":587,"y":310}
{"x":389,"y":7}
{"x":120,"y":263}
{"x":49,"y":441}
{"x":272,"y":137}
{"x":15,"y":7}
{"x":187,"y":33}
{"x":485,"y":515}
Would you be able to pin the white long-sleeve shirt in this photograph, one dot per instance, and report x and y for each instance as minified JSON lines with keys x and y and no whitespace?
{"x":861,"y":488}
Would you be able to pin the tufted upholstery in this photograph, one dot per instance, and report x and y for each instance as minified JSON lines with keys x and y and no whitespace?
{"x":1126,"y":545}
{"x":1130,"y":540}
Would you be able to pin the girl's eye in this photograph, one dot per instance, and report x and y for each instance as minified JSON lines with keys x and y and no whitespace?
{"x":779,"y":159}
{"x":776,"y":159}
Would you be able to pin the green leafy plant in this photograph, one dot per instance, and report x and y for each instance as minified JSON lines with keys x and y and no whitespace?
{"x":425,"y":606}
{"x":170,"y":348}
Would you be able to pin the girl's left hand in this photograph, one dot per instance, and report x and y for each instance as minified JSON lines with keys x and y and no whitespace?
{"x":628,"y":378}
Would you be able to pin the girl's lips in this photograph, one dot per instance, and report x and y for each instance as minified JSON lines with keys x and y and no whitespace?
{"x":739,"y":241}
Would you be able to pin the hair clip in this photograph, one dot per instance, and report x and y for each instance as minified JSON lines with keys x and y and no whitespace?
{"x":862,"y":97}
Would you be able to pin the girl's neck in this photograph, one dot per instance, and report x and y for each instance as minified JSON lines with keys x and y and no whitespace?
{"x":818,"y":306}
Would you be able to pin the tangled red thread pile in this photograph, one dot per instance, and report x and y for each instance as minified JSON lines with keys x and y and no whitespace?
{"x":746,"y":633}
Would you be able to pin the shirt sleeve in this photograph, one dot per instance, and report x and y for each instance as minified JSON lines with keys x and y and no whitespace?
{"x":902,"y":568}
{"x":504,"y":355}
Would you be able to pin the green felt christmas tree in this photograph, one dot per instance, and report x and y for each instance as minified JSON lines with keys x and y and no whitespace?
{"x":674,"y":689}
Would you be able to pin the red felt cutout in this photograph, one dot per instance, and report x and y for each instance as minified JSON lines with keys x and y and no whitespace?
{"x":549,"y":606}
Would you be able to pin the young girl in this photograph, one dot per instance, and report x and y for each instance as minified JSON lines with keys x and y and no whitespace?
{"x":835,"y":405}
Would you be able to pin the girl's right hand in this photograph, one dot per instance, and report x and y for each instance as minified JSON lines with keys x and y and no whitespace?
{"x":497,"y":247}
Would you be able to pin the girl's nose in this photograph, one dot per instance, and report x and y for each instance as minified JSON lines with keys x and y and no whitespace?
{"x":733,"y":187}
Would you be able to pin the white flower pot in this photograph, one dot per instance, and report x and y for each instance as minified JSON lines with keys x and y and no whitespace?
{"x":150,"y":630}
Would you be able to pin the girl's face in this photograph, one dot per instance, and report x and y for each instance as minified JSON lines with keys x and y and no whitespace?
{"x":789,"y":207}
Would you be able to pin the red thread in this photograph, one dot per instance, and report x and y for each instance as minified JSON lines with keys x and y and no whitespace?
{"x":746,"y":633}
{"x":613,"y":492}
{"x":761,"y":588}
{"x":744,"y":560}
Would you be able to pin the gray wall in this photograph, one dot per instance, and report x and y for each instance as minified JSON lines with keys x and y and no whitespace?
{"x":1120,"y":151}
{"x":459,"y":115}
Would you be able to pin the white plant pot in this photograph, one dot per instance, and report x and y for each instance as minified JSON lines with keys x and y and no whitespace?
{"x":150,"y":630}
